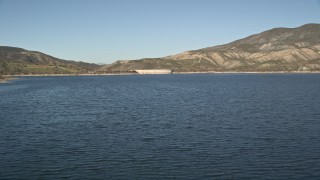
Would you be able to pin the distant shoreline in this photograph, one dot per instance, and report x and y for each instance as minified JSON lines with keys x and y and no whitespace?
{"x":44,"y":75}
{"x":7,"y":78}
{"x":204,"y":72}
{"x":251,"y":72}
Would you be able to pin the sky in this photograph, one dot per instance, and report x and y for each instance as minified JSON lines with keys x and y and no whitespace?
{"x":104,"y":31}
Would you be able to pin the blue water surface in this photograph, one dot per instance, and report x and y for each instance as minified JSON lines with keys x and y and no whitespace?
{"x":197,"y":126}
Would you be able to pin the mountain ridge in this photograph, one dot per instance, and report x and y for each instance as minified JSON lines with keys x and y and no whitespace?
{"x":15,"y":60}
{"x":277,"y":49}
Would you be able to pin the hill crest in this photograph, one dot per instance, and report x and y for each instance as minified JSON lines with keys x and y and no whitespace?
{"x":15,"y":60}
{"x":278,"y":49}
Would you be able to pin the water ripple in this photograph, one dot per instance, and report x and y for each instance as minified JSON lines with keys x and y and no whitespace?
{"x":161,"y":127}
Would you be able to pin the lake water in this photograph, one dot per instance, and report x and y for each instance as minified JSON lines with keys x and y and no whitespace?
{"x":198,"y":126}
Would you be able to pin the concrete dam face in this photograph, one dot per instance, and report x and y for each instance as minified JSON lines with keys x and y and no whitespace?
{"x":154,"y":71}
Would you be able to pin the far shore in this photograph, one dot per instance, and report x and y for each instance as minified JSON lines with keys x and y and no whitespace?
{"x":251,"y":72}
{"x":7,"y":78}
{"x":203,"y":72}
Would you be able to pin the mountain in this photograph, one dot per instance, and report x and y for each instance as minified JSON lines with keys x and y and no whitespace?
{"x":279,"y":49}
{"x":20,"y":61}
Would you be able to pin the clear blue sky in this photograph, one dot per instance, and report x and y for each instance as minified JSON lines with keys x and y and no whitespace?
{"x":103,"y":31}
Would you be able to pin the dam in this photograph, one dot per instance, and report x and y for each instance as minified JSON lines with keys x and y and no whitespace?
{"x":154,"y":71}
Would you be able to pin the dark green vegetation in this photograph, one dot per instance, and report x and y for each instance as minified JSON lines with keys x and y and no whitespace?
{"x":279,"y":49}
{"x":20,"y":61}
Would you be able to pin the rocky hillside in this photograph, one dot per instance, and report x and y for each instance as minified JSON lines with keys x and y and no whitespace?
{"x":279,"y":49}
{"x":20,"y":61}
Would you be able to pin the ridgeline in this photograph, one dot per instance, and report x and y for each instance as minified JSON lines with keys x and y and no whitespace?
{"x":279,"y":49}
{"x":275,"y":50}
{"x":16,"y":61}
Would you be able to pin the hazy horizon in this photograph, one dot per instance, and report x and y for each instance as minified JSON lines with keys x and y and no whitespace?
{"x":105,"y":31}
